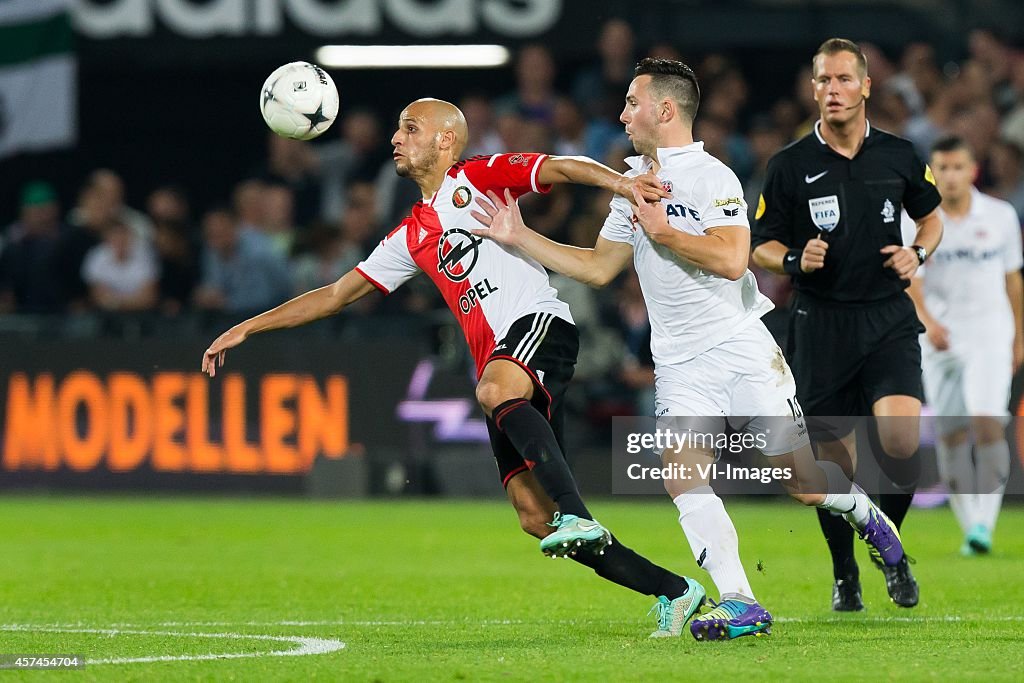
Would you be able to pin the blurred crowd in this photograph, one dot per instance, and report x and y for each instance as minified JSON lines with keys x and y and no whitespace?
{"x":314,"y":210}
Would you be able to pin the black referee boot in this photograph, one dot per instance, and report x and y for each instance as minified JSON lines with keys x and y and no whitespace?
{"x":846,"y":595}
{"x":900,"y":582}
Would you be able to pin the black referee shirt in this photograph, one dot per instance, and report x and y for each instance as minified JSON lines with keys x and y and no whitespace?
{"x":855,"y":203}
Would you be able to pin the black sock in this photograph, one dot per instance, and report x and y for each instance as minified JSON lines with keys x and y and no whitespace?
{"x":902,"y":478}
{"x":535,"y":441}
{"x":621,"y":565}
{"x":839,"y":536}
{"x":895,"y":506}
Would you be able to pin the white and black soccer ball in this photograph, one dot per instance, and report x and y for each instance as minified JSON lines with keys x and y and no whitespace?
{"x":299,"y":101}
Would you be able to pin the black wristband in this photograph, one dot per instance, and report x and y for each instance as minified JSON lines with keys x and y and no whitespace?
{"x":791,"y":262}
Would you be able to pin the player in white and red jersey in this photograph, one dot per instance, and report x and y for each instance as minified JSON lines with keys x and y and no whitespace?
{"x":521,"y":336}
{"x":715,"y":362}
{"x":969,"y":297}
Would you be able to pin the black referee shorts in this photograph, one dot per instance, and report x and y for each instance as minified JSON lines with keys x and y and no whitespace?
{"x":546,"y":347}
{"x":846,"y":357}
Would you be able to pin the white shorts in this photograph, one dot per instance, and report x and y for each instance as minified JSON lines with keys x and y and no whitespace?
{"x":959,"y":385}
{"x":746,"y":381}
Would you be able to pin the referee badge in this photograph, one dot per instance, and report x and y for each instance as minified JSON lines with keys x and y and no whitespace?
{"x":825,"y":212}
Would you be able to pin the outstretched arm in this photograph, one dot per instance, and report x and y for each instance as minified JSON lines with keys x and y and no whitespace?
{"x":586,"y":171}
{"x":595,"y":267}
{"x":305,"y":308}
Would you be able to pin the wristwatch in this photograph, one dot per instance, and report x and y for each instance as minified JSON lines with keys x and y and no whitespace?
{"x":920,"y":252}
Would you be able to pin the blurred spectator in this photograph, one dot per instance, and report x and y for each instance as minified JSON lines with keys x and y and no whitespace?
{"x":570,"y":128}
{"x":803,"y":94}
{"x":889,"y":110}
{"x":714,"y":133}
{"x":600,"y":88}
{"x":279,"y":218}
{"x":725,"y":98}
{"x":240,"y":273}
{"x":357,"y":155}
{"x":788,"y":116}
{"x":880,"y":67}
{"x":483,"y":138}
{"x":637,"y":370}
{"x":1013,"y":125}
{"x":122,"y":271}
{"x":179,"y":266}
{"x":534,"y":96}
{"x":919,"y":75}
{"x":102,"y":201}
{"x":1006,"y":166}
{"x":979,"y":126}
{"x":995,"y":59}
{"x":28,"y":257}
{"x":169,"y":203}
{"x":665,"y":51}
{"x":765,"y":140}
{"x":98,"y":206}
{"x":249,"y":203}
{"x":335,"y":250}
{"x":295,"y":164}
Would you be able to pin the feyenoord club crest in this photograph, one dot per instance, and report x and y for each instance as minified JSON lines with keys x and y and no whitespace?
{"x":461,"y":197}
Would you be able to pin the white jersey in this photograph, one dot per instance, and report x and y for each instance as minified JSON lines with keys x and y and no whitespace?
{"x":691,"y":310}
{"x":486,"y":285}
{"x":965,"y":279}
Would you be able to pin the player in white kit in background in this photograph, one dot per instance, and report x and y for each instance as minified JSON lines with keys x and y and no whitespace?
{"x":969,"y":297}
{"x":714,"y":358}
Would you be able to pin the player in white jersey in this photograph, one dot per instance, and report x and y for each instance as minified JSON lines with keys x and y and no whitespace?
{"x":521,"y":336}
{"x":714,"y":358}
{"x":969,"y":298}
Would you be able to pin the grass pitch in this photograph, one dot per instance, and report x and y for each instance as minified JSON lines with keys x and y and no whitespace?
{"x":447,"y":590}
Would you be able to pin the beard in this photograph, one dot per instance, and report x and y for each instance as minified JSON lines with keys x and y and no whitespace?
{"x":427,"y":161}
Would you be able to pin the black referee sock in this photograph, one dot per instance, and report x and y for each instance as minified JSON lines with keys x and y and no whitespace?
{"x":535,"y":441}
{"x":839,"y":537}
{"x":623,"y":566}
{"x":895,"y":506}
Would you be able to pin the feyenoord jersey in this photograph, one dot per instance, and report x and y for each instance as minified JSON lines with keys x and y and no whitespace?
{"x":965,"y":279}
{"x":486,"y":285}
{"x":691,"y":310}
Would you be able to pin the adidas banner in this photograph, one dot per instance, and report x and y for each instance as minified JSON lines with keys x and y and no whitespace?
{"x":37,"y":76}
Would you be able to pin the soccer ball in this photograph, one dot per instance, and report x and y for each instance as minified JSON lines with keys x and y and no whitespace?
{"x":299,"y":101}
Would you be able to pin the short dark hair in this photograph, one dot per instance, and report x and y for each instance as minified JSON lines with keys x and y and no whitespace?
{"x":951,"y":143}
{"x":836,"y":45}
{"x":673,"y":79}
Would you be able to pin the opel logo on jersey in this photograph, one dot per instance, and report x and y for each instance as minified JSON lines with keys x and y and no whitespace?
{"x":461,"y":197}
{"x":825,"y":212}
{"x":457,"y":252}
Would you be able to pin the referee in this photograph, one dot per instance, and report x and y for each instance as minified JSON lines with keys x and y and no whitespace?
{"x":829,"y":216}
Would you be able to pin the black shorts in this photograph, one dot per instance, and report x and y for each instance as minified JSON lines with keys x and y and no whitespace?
{"x":545,"y":346}
{"x":846,"y":357}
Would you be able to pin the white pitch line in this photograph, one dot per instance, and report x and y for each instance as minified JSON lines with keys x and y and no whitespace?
{"x":306,"y":646}
{"x":518,"y":622}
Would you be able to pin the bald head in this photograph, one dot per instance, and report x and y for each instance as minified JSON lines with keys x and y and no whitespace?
{"x":442,"y":117}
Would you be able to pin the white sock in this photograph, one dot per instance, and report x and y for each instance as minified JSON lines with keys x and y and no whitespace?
{"x":843,"y":496}
{"x":713,"y":541}
{"x":955,"y":469}
{"x":992,"y":465}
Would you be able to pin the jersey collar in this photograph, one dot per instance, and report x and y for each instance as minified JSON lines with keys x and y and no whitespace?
{"x":665,"y":156}
{"x":817,"y":131}
{"x":973,"y":211}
